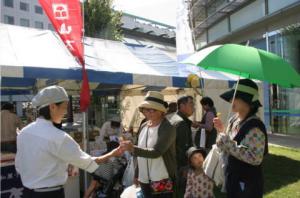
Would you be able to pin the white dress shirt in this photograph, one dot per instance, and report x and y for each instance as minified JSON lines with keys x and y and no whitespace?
{"x":108,"y":131}
{"x":44,"y":153}
{"x":156,"y":167}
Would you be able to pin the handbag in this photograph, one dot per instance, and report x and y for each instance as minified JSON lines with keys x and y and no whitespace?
{"x":213,"y":166}
{"x":164,"y":186}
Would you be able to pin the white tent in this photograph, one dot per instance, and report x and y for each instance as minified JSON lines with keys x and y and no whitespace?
{"x":28,"y":54}
{"x":31,"y":59}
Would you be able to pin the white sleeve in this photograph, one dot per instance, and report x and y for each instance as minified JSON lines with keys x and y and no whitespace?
{"x":17,"y":157}
{"x":70,"y":152}
{"x":17,"y":163}
{"x":103,"y":130}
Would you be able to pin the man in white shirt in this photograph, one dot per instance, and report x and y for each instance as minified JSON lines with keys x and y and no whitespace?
{"x":44,"y":151}
{"x":111,"y":130}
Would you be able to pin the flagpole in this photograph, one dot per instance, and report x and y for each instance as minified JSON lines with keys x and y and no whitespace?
{"x":84,"y":114}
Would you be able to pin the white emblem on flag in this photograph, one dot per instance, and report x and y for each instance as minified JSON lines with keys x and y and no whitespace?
{"x":65,"y":29}
{"x":69,"y":44}
{"x":60,"y":11}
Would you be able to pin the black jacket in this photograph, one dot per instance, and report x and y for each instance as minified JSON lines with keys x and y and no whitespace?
{"x":183,"y":137}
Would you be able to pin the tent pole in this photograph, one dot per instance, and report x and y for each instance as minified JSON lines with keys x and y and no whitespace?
{"x":84,"y":130}
{"x":84,"y":114}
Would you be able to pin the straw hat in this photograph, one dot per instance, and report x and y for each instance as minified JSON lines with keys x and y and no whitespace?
{"x":50,"y":95}
{"x":154,"y":100}
{"x":247,"y":90}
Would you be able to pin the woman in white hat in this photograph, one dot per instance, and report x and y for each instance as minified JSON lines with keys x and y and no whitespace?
{"x":44,"y":151}
{"x":156,"y":149}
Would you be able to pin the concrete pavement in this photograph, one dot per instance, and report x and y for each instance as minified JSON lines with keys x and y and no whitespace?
{"x":284,"y":140}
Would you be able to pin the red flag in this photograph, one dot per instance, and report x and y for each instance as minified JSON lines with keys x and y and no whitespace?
{"x":66,"y":18}
{"x":85,"y":92}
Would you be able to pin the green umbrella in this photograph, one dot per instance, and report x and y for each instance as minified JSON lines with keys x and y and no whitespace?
{"x":247,"y":62}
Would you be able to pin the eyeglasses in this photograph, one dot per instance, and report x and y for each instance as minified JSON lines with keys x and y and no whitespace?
{"x":144,"y":110}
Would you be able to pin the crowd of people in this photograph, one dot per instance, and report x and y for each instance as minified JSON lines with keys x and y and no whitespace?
{"x":168,"y":161}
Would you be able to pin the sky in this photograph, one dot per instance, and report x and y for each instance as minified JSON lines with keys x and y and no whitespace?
{"x":163,"y":11}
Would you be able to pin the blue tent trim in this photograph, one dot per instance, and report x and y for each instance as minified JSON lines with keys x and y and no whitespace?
{"x":17,"y":82}
{"x":109,"y":77}
{"x":76,"y":74}
{"x":15,"y":92}
{"x":94,"y":76}
{"x":179,"y":81}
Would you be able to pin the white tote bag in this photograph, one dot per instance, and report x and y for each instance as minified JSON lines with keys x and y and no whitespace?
{"x":213,"y":166}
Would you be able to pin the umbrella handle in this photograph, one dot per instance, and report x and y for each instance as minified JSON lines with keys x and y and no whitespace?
{"x":231,"y":104}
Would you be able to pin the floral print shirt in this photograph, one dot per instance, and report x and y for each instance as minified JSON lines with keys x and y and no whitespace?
{"x":198,"y":185}
{"x":251,"y":148}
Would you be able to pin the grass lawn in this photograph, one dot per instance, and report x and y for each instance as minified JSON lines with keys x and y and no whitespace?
{"x":281,"y":172}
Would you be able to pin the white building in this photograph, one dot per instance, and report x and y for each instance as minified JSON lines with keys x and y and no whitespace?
{"x":272,"y":25}
{"x":27,"y":13}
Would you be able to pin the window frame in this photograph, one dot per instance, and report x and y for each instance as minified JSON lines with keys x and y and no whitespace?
{"x":26,"y":6}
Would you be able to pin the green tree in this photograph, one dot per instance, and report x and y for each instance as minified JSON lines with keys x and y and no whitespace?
{"x":101,"y":20}
{"x":293,"y":29}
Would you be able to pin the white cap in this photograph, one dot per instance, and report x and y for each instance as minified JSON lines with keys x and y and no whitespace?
{"x":50,"y":95}
{"x":116,"y":118}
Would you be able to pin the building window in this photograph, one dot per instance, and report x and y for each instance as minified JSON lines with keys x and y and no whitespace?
{"x":50,"y":27}
{"x":24,"y":6}
{"x":9,"y":3}
{"x":38,"y":9}
{"x":39,"y":25}
{"x":24,"y":22}
{"x":9,"y":19}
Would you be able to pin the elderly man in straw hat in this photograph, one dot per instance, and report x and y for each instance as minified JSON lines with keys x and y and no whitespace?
{"x":44,"y":151}
{"x":156,"y":148}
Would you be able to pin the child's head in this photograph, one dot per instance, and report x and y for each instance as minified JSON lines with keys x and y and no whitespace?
{"x":196,"y":157}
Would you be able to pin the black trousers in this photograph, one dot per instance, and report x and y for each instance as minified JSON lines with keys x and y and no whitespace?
{"x":28,"y":193}
{"x":237,"y":188}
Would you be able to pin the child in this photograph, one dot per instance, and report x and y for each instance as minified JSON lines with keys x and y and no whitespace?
{"x":198,"y":184}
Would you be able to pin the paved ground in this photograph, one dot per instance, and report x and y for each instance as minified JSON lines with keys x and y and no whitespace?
{"x":284,"y":140}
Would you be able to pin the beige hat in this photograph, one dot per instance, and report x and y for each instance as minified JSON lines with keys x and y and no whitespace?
{"x":154,"y":100}
{"x":49,"y":95}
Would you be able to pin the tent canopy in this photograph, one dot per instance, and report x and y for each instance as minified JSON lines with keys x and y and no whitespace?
{"x":40,"y":54}
{"x":27,"y":55}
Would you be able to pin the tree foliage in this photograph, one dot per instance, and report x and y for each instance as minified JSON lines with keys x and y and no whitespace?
{"x":101,"y":20}
{"x":293,"y":29}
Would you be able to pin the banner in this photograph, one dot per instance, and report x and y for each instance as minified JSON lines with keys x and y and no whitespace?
{"x":66,"y":17}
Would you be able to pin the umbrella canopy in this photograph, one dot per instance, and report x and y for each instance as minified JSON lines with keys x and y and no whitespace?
{"x":247,"y":62}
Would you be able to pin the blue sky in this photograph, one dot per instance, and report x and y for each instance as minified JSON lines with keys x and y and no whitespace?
{"x":163,"y":11}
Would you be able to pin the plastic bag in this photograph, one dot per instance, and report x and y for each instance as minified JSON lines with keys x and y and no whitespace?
{"x":131,"y":192}
{"x":128,"y":174}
